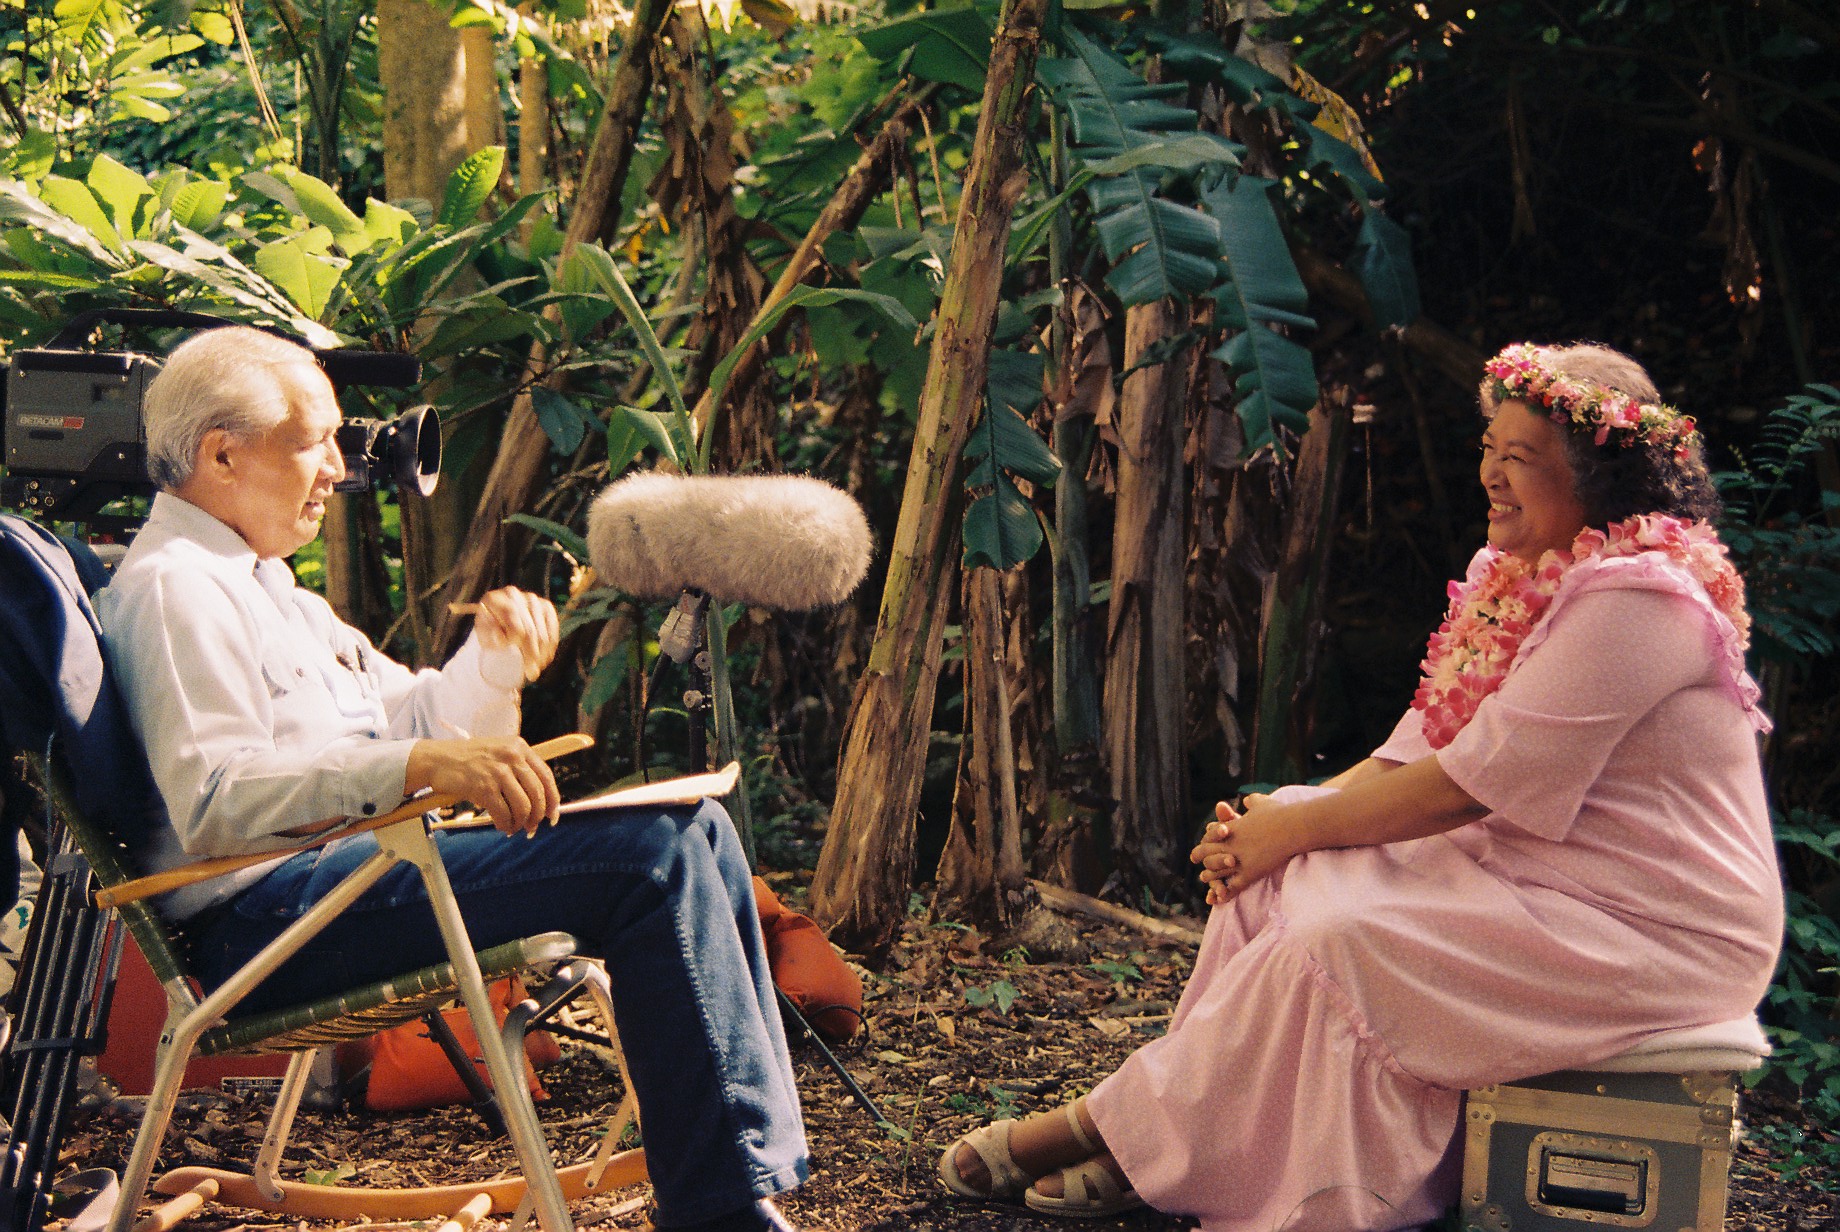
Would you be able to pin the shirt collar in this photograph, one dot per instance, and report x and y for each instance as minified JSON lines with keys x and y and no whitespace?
{"x":174,"y":517}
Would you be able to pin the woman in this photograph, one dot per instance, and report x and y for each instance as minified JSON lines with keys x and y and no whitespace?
{"x":1562,"y":849}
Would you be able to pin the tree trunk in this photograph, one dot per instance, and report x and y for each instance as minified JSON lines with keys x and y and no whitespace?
{"x":440,"y":105}
{"x":842,"y":212}
{"x":1235,"y":519}
{"x":422,"y":66}
{"x":867,"y":863}
{"x":357,"y":585}
{"x":1145,"y":678}
{"x":1289,"y":642}
{"x":533,"y":130}
{"x":695,"y":185}
{"x":982,"y":861}
{"x":1071,"y":848}
{"x":523,"y":453}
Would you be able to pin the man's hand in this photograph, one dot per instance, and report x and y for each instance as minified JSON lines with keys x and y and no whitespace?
{"x":1240,"y":848}
{"x":500,"y":775}
{"x":518,"y":619}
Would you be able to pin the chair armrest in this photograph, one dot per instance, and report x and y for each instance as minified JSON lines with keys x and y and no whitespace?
{"x":205,"y":870}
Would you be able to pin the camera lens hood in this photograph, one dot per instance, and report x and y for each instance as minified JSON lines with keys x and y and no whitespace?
{"x":414,"y":449}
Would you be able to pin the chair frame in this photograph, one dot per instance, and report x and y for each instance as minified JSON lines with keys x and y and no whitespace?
{"x":201,"y":1025}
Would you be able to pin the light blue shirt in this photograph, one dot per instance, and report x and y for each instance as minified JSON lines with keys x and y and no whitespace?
{"x":259,"y":708}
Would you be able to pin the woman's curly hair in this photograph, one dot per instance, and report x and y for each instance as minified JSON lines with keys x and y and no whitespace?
{"x":1617,"y":480}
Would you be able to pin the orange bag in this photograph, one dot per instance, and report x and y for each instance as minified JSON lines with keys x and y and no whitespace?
{"x":408,"y":1070}
{"x":808,"y":970}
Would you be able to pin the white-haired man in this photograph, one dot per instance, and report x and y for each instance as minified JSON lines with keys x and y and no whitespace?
{"x":266,"y":717}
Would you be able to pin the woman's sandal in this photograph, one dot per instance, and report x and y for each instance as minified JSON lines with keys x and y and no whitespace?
{"x":1088,"y":1190}
{"x":991,"y":1142}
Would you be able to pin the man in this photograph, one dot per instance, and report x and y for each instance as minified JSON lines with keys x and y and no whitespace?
{"x":265,"y":717}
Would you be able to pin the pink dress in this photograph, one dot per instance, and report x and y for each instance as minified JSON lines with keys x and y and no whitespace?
{"x":1625,"y":883}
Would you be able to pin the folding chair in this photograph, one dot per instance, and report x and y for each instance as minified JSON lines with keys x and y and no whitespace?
{"x":98,"y":786}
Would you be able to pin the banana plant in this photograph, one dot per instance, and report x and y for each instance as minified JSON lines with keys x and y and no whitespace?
{"x":79,"y":68}
{"x":1001,"y":527}
{"x":115,"y":237}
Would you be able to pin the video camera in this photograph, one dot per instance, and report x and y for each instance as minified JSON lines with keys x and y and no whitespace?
{"x":74,"y":438}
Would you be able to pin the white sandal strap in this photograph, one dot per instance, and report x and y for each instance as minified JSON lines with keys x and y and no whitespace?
{"x":1079,"y":1131}
{"x":1089,"y":1184}
{"x":992,"y":1145}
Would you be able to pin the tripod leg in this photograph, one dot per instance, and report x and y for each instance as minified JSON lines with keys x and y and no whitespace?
{"x":830,"y":1058}
{"x":484,"y":1102}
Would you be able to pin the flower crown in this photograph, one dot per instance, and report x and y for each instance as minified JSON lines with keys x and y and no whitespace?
{"x":1517,"y":374}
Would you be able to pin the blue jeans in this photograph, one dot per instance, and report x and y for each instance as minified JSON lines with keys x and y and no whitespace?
{"x":663,"y":898}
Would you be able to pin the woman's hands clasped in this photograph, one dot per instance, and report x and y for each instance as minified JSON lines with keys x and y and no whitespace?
{"x":1240,"y":848}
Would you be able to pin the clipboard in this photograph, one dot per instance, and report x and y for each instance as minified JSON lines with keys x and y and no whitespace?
{"x":684,"y":790}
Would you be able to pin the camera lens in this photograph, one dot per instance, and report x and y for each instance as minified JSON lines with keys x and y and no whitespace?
{"x":415,"y":449}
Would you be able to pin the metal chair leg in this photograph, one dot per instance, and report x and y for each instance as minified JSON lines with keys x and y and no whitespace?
{"x":830,"y":1058}
{"x":484,"y":1102}
{"x":185,"y":1024}
{"x":414,"y":844}
{"x":267,"y":1171}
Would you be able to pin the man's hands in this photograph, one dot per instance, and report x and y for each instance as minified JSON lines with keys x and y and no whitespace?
{"x":1240,"y":848}
{"x":501,"y":775}
{"x":518,"y":619}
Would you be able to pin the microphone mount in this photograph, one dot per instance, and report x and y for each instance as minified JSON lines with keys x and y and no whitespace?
{"x":683,"y":639}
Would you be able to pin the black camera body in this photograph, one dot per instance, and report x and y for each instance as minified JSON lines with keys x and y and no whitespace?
{"x":74,"y":437}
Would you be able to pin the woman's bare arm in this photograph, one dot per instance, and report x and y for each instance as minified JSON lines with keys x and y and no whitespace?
{"x":1381,"y":806}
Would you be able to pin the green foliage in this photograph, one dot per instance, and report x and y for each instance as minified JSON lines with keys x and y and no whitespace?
{"x":1001,"y":527}
{"x":1119,"y":973}
{"x":999,"y":993}
{"x":1790,"y":559}
{"x":1275,"y":377}
{"x":1158,"y":247}
{"x":950,"y":45}
{"x":1383,"y":261}
{"x":1800,"y":1004}
{"x":1789,"y":554}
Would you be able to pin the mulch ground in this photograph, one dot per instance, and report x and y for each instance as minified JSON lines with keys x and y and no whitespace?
{"x":958,"y":1033}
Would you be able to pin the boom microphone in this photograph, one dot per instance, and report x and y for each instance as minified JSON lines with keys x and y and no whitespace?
{"x":780,"y":541}
{"x":347,"y":367}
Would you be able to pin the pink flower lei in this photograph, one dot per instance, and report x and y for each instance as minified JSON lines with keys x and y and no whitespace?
{"x":1497,"y":606}
{"x":1518,"y":375}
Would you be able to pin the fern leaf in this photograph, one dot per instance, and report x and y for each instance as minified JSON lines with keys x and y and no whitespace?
{"x":470,"y":186}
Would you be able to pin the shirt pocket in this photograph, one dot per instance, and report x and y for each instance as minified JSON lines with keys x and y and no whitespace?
{"x":282,"y":670}
{"x":351,"y":678}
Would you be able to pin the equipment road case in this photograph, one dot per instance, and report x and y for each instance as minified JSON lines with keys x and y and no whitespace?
{"x":1595,"y":1150}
